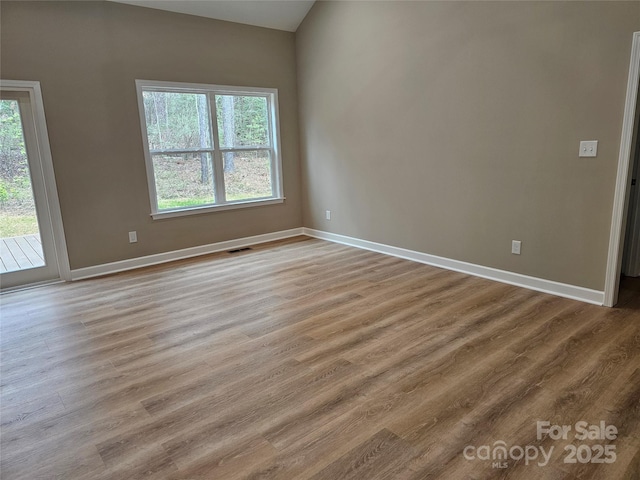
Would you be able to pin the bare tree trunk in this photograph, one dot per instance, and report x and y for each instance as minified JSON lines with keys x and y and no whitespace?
{"x":229,"y":129}
{"x":201,"y":104}
{"x":154,"y":95}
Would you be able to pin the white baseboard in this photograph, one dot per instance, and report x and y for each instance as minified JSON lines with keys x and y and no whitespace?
{"x":539,"y":284}
{"x":130,"y":264}
{"x":547,"y":286}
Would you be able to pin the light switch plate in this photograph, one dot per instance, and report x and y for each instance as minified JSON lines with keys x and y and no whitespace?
{"x":589,"y":148}
{"x":516,"y":246}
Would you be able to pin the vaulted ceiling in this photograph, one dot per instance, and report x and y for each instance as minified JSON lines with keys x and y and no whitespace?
{"x":279,"y":14}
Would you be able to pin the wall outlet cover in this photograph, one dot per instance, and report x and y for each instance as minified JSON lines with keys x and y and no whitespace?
{"x":588,"y":148}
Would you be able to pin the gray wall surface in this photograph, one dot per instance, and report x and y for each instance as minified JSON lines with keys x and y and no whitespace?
{"x":87,"y":55}
{"x":452,"y":128}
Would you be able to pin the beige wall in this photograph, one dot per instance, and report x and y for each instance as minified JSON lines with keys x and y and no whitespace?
{"x":449,"y":128}
{"x":452,"y":128}
{"x":87,"y":56}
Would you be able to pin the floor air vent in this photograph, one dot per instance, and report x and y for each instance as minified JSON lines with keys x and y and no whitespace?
{"x":239,"y":250}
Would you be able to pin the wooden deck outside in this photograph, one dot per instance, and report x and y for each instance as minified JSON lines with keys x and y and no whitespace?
{"x":20,"y":253}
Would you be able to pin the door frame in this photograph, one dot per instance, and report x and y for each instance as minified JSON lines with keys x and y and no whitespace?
{"x":631,"y":253}
{"x":44,"y":150}
{"x":623,"y":180}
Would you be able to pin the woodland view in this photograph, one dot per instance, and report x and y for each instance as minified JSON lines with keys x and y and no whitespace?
{"x":179,"y":128}
{"x":177,"y":124}
{"x":17,"y":209}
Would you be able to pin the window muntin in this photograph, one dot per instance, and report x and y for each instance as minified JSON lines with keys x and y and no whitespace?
{"x":196,"y":165}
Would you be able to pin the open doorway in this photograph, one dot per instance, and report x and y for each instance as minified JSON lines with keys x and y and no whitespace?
{"x":624,"y":180}
{"x":631,"y":253}
{"x":630,"y":280}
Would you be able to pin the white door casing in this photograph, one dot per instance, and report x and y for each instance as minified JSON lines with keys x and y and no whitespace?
{"x":29,"y":95}
{"x":623,"y":180}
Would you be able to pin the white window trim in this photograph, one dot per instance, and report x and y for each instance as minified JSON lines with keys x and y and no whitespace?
{"x":215,"y":150}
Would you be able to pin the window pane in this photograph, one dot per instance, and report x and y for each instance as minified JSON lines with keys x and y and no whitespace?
{"x":247,"y":175}
{"x":242,"y":121}
{"x":183,"y":180}
{"x":177,"y":120}
{"x":17,"y":205}
{"x":21,"y":244}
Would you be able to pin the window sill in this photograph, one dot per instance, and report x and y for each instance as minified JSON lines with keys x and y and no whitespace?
{"x":215,"y":208}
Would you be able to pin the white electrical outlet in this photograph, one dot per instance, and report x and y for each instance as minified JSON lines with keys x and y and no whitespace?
{"x":327,"y":214}
{"x":133,"y":237}
{"x":588,"y":148}
{"x":515,"y":247}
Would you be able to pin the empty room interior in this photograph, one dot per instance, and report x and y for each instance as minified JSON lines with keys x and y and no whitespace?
{"x":319,"y":240}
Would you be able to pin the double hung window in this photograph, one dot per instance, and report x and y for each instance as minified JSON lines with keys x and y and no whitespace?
{"x":209,"y":147}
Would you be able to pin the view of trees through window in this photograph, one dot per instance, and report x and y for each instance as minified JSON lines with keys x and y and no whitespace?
{"x":17,"y":208}
{"x":181,"y":143}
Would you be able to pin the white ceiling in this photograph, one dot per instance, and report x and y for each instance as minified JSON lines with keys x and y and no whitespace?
{"x":279,"y":14}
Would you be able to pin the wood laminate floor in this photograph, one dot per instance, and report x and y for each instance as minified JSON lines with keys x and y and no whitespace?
{"x":304,"y":359}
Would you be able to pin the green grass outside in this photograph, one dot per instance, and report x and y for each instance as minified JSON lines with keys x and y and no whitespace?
{"x":167,"y":203}
{"x":17,"y":225}
{"x":179,"y":181}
